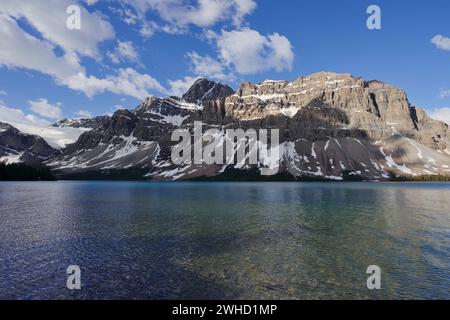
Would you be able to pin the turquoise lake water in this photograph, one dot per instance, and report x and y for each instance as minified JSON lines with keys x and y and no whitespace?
{"x":224,"y":240}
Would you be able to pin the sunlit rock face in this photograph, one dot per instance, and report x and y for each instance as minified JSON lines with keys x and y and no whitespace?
{"x":331,"y":126}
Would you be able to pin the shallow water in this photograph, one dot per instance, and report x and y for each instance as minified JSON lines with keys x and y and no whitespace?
{"x":224,"y":240}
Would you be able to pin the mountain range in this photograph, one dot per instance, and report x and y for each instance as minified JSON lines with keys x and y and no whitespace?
{"x":331,"y":126}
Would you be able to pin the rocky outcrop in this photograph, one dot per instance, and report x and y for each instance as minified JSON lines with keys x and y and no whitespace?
{"x":204,"y":90}
{"x":377,"y":108}
{"x":331,"y":126}
{"x":16,"y":146}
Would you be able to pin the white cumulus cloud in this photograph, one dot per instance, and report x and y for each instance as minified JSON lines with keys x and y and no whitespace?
{"x":43,"y":108}
{"x":249,"y":52}
{"x":18,"y":49}
{"x":207,"y":67}
{"x":179,"y":14}
{"x":49,"y":18}
{"x":441,"y":42}
{"x":127,"y":82}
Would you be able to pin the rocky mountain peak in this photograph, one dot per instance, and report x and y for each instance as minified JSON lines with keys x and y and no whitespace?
{"x":7,"y":127}
{"x":147,"y":104}
{"x":205,"y":90}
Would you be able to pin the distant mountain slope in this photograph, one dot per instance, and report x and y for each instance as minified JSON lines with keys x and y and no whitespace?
{"x":16,"y":146}
{"x":58,"y":135}
{"x":67,"y":131}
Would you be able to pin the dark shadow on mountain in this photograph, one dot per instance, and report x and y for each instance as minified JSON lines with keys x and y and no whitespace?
{"x":317,"y":121}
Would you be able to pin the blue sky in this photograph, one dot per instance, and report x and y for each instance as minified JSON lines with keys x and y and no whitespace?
{"x":126,"y":50}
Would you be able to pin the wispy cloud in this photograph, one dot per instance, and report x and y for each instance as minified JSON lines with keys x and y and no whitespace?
{"x":444,"y":93}
{"x":124,"y":52}
{"x":207,"y":67}
{"x":442,"y":114}
{"x":84,"y":114}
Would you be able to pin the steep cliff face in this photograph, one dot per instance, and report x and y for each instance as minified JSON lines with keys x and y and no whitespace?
{"x":374,"y":107}
{"x":16,"y":146}
{"x":330,"y":125}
